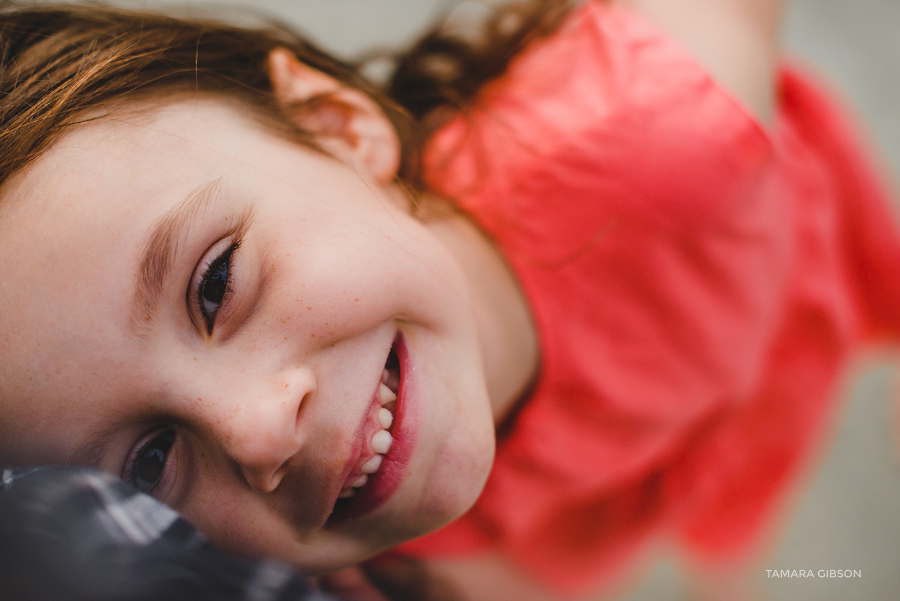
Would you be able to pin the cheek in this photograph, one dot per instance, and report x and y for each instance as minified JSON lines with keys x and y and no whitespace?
{"x":348,"y":268}
{"x":464,"y":460}
{"x":324,"y":291}
{"x":235,"y":521}
{"x":247,"y":525}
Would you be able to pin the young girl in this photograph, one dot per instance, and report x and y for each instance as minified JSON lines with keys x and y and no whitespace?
{"x":639,"y":253}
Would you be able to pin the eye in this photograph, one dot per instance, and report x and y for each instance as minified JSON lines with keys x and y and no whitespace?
{"x":214,"y":286}
{"x":146,"y":465}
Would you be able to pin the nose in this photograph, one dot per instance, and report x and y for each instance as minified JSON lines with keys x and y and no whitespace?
{"x":263,"y":432}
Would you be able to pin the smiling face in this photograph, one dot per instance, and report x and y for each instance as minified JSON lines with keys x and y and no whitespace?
{"x":222,"y":317}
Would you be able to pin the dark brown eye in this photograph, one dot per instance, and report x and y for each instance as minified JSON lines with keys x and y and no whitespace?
{"x":149,"y":461}
{"x":214,"y":286}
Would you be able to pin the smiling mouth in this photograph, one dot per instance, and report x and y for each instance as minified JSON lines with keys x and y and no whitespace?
{"x":359,"y":493}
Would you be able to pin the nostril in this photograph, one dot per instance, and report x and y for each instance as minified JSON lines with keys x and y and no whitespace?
{"x":266,"y":431}
{"x":266,"y":444}
{"x":300,"y":388}
{"x":261,"y":481}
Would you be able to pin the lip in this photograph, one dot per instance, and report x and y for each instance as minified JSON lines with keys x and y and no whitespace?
{"x":385,"y":482}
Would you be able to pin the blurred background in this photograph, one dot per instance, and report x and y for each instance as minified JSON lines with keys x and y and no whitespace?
{"x":846,"y":514}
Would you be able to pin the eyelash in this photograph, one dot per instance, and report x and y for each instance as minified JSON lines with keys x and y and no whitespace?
{"x":223,"y":259}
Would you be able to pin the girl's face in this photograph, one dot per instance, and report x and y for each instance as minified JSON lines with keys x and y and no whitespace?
{"x":211,"y":311}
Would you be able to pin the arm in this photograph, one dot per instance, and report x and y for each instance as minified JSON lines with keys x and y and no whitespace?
{"x":738,"y":41}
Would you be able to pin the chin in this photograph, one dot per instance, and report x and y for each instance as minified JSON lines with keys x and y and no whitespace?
{"x":458,"y":484}
{"x":456,"y":452}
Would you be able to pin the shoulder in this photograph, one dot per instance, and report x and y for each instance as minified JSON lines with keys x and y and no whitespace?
{"x":736,"y":40}
{"x":609,"y":116}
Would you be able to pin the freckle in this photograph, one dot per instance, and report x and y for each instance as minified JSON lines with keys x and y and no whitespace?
{"x":356,"y":299}
{"x":309,"y":308}
{"x":312,"y":335}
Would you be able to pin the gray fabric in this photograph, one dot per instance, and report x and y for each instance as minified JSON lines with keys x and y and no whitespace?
{"x":78,"y":533}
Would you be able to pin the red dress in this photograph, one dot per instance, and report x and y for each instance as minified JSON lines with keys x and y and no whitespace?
{"x":697,"y":282}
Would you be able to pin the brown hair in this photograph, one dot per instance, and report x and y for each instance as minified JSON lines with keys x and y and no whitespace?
{"x":446,"y":70}
{"x":60,"y":63}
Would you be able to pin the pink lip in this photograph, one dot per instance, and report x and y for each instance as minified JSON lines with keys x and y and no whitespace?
{"x":385,"y":482}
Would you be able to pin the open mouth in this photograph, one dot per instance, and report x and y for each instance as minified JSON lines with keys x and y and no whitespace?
{"x":367,"y":485}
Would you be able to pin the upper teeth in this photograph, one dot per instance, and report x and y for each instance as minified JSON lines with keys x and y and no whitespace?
{"x":381,"y":444}
{"x":371,"y":466}
{"x":381,"y":441}
{"x":386,"y":396}
{"x":385,"y":418}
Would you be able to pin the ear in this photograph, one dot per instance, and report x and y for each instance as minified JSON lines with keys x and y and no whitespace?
{"x":346,"y":122}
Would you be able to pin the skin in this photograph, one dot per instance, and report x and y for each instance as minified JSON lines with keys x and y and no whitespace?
{"x":266,"y":400}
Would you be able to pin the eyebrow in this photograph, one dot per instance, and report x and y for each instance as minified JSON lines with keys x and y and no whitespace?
{"x":92,"y":453}
{"x":161,"y":250}
{"x":97,"y":440}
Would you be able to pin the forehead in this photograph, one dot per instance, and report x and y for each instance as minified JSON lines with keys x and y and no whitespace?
{"x":119,"y":170}
{"x":72,"y":227}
